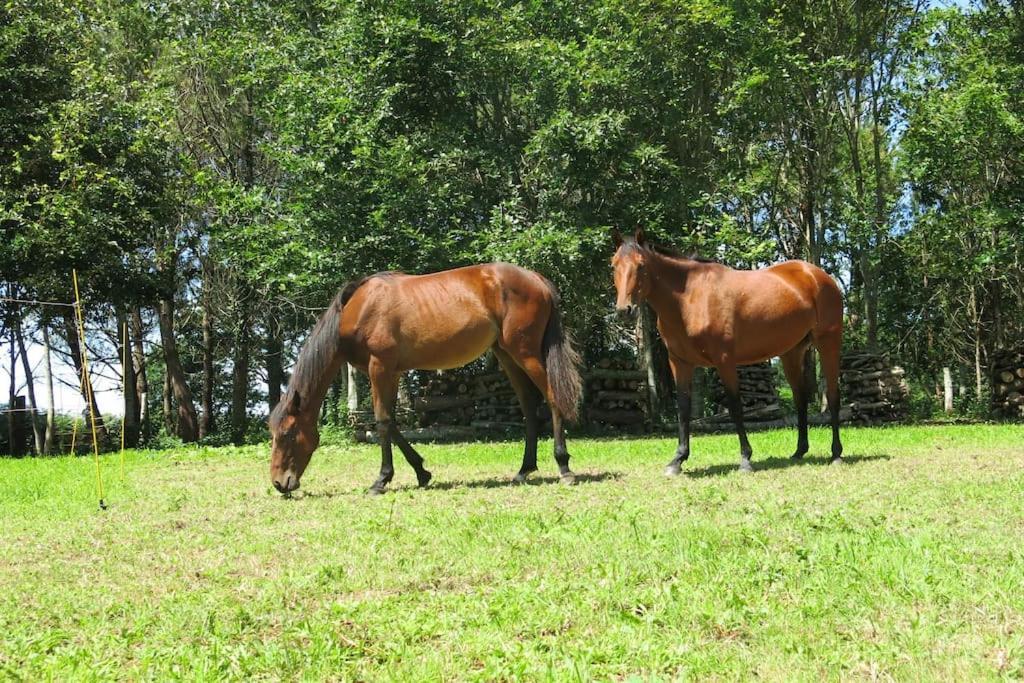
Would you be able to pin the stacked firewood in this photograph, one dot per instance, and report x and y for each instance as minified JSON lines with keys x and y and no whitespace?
{"x":758,"y":392}
{"x":446,"y":398}
{"x":616,"y":394}
{"x":873,"y":389}
{"x":1008,"y":383}
{"x":497,"y":406}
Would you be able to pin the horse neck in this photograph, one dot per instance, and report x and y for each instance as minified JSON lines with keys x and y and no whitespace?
{"x":318,"y":364}
{"x":668,"y":278}
{"x":317,"y":392}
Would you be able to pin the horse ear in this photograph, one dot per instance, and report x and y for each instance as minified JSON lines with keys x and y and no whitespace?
{"x":295,"y":403}
{"x":616,"y":237}
{"x":640,"y":238}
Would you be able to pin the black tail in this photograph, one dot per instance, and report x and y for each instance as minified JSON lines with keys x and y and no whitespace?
{"x":562,"y":363}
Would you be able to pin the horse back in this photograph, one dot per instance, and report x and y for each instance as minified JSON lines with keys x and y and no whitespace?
{"x":438,"y":320}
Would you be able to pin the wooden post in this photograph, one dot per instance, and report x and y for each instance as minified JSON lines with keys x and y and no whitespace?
{"x":947,"y":390}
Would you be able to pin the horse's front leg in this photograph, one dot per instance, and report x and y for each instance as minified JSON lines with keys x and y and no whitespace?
{"x":384,"y":388}
{"x":683,"y":374}
{"x":731,"y":381}
{"x":423,"y":475}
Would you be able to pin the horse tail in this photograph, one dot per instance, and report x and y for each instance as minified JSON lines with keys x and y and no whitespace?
{"x":562,"y":363}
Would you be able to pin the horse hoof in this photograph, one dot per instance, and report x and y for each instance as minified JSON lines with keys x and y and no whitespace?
{"x":520,"y":478}
{"x":673,"y":471}
{"x":838,"y":460}
{"x":568,"y":478}
{"x":375,"y":491}
{"x":799,"y":455}
{"x":425,"y":479}
{"x":745,"y":466}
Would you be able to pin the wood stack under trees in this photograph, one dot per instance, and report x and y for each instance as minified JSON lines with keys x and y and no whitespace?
{"x":616,"y":394}
{"x":758,"y":391}
{"x":1008,"y":383}
{"x":446,"y":398}
{"x":873,"y":390}
{"x":497,"y":407}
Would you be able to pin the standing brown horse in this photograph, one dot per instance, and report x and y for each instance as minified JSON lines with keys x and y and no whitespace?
{"x":710,"y":315}
{"x":388,"y":323}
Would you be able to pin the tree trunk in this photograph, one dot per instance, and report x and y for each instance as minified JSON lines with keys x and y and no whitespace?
{"x":13,"y":436}
{"x":206,"y":422}
{"x":353,"y":389}
{"x":37,"y":431}
{"x":188,"y":427}
{"x":141,"y":379}
{"x":75,"y":346}
{"x":644,"y":342}
{"x":275,"y":366}
{"x":170,"y":425}
{"x":240,"y":384}
{"x":51,"y":411}
{"x":976,"y":315}
{"x":129,"y":387}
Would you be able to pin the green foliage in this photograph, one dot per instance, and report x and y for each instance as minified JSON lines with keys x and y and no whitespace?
{"x":245,"y":160}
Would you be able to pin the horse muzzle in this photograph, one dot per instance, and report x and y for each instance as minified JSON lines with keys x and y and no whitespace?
{"x":286,"y":483}
{"x":627,"y":312}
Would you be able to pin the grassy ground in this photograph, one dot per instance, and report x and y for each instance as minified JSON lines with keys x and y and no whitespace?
{"x":906,"y":563}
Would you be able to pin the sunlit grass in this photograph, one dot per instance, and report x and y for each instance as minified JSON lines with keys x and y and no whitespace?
{"x":907,"y":562}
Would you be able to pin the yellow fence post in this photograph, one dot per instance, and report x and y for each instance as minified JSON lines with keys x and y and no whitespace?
{"x":88,"y":389}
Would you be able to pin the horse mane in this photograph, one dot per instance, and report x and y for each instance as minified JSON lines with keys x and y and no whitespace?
{"x":321,"y":347}
{"x":671,"y":252}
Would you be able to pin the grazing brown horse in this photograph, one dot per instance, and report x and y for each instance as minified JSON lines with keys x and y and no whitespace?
{"x":710,"y":315}
{"x":388,"y":323}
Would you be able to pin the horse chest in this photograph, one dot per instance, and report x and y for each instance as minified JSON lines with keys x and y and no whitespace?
{"x":687,"y":345}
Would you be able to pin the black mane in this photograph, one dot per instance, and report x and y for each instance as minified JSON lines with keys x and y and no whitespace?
{"x":631,"y":244}
{"x":321,"y":347}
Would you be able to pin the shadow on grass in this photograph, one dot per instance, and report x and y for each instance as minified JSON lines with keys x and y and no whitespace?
{"x":494,"y":483}
{"x":777,"y":463}
{"x":534,"y":480}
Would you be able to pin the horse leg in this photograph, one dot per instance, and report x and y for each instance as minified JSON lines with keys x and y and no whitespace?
{"x":527,"y":395}
{"x":683,"y":374}
{"x":828,"y":346}
{"x":533,"y":367}
{"x":794,"y":364}
{"x":384,"y":387}
{"x":423,"y":476}
{"x":731,"y":381}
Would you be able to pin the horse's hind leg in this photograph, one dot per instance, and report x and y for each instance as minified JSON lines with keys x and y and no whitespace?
{"x":795,"y":365}
{"x":539,"y":376}
{"x":731,"y":381}
{"x":527,"y":394}
{"x":829,"y":345}
{"x":521,"y":338}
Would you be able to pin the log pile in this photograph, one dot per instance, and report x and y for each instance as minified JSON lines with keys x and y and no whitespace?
{"x":758,"y":392}
{"x":616,"y":394}
{"x":1008,"y":383}
{"x":446,"y":398}
{"x":873,"y":389}
{"x":496,"y":407}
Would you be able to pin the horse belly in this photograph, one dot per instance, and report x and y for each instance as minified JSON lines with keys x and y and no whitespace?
{"x":762,"y":340}
{"x":450,"y":345}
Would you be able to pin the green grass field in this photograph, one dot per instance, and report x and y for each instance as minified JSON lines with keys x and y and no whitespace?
{"x":905,"y":563}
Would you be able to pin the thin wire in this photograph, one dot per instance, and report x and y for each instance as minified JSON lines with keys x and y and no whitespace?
{"x":9,"y":300}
